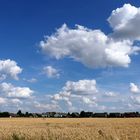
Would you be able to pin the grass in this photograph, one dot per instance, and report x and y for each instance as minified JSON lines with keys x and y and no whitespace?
{"x":69,"y":129}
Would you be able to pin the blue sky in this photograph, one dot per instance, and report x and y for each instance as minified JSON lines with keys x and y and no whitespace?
{"x":69,"y":55}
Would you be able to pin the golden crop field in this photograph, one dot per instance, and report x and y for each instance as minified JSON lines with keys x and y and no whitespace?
{"x":69,"y":129}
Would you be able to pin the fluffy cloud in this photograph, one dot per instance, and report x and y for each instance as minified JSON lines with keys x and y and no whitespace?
{"x":84,"y":94}
{"x":121,"y":16}
{"x":81,"y":91}
{"x":15,"y":92}
{"x":81,"y":87}
{"x":90,"y":47}
{"x":125,"y":22}
{"x":9,"y":68}
{"x":51,"y":72}
{"x":134,"y":88}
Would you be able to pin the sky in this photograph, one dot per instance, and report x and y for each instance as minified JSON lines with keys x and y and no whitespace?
{"x":69,"y":55}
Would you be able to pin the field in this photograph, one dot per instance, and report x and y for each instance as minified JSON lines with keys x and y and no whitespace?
{"x":69,"y":129}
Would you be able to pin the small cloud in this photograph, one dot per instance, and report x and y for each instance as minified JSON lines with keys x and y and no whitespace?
{"x":32,"y":80}
{"x":109,"y":94}
{"x":134,"y":88}
{"x":89,"y":101}
{"x":51,"y":72}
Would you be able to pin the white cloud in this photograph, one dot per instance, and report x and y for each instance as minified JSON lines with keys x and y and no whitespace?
{"x":2,"y":100}
{"x":121,"y":16}
{"x":109,"y":99}
{"x":89,"y":101}
{"x":110,"y":94}
{"x":125,"y":22}
{"x":49,"y":107}
{"x":32,"y":80}
{"x":135,"y":100}
{"x":9,"y":68}
{"x":51,"y":72}
{"x":16,"y":101}
{"x":16,"y":92}
{"x":62,"y":96}
{"x":81,"y":87}
{"x":85,"y":94}
{"x":78,"y":92}
{"x":90,"y":47}
{"x":134,"y":88}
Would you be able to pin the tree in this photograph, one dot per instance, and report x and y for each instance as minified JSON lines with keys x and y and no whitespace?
{"x":26,"y":114}
{"x":4,"y":114}
{"x":20,"y":114}
{"x":68,"y":115}
{"x":82,"y":114}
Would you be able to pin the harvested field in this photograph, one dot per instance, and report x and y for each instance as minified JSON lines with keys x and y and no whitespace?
{"x":69,"y":129}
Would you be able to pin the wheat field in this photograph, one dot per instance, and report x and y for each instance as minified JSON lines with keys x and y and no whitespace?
{"x":69,"y":129}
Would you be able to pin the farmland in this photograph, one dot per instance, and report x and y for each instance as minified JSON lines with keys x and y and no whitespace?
{"x":69,"y":129}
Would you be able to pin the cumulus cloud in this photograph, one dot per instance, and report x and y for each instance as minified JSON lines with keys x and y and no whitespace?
{"x":134,"y":88}
{"x":15,"y":92}
{"x":90,"y":47}
{"x":81,"y":87}
{"x":81,"y":91}
{"x":86,"y":94}
{"x":93,"y":48}
{"x":125,"y":22}
{"x":9,"y":68}
{"x":51,"y":72}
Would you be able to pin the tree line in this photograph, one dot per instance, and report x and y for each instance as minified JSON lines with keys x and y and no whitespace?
{"x":82,"y":114}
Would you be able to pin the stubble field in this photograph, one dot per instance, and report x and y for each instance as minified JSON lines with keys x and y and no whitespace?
{"x":69,"y":129}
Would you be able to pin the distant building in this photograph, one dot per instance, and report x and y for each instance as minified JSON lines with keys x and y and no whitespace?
{"x":115,"y":115}
{"x":13,"y":115}
{"x":100,"y":115}
{"x":48,"y":114}
{"x":131,"y":114}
